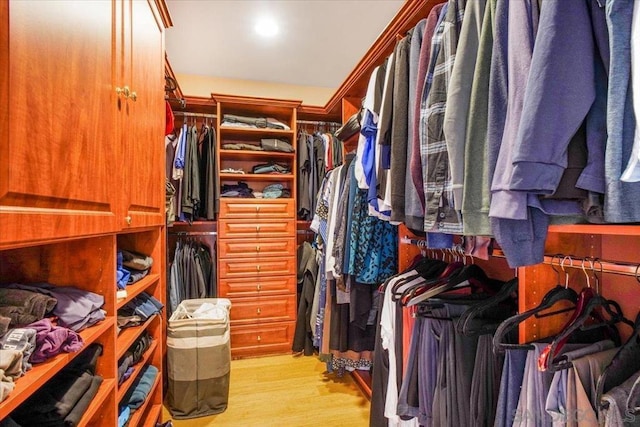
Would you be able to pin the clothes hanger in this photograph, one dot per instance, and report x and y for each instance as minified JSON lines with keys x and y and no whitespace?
{"x":507,"y":293}
{"x":585,"y":310}
{"x":409,"y":294}
{"x":555,"y":295}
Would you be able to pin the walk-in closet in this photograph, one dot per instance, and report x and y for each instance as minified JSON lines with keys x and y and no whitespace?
{"x":382,"y":213}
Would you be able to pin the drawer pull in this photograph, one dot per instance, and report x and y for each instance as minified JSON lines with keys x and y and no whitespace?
{"x":258,"y":248}
{"x":258,"y":267}
{"x":258,"y":310}
{"x":259,"y":287}
{"x":257,"y":209}
{"x":257,"y":228}
{"x":259,"y":338}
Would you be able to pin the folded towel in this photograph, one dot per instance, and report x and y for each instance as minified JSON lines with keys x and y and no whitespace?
{"x":141,"y":387}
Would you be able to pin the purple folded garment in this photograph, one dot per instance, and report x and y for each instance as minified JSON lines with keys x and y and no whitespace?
{"x":52,"y":340}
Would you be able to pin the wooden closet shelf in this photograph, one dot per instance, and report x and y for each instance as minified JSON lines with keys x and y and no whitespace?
{"x":98,"y":400}
{"x":43,"y":372}
{"x":255,"y":177}
{"x":128,"y":336}
{"x":137,"y":288}
{"x":154,"y":414}
{"x":609,"y":229}
{"x":257,"y":156}
{"x":136,"y":418}
{"x":124,"y":387}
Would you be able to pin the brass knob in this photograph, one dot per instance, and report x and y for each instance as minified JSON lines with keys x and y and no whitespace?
{"x":258,"y":248}
{"x":257,"y":228}
{"x":128,"y":219}
{"x":259,"y":338}
{"x":258,"y":310}
{"x":133,"y":96}
{"x":259,"y":287}
{"x":257,"y":208}
{"x":123,"y":91}
{"x":258,"y":267}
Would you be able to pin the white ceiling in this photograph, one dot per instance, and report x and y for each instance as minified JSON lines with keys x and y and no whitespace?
{"x":319,"y":42}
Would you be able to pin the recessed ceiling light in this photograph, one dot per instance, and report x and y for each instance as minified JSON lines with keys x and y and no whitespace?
{"x":266,"y":27}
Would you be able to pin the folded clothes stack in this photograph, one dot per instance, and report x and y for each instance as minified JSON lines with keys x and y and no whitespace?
{"x":271,"y":168}
{"x":138,"y":310}
{"x":137,"y":394}
{"x":132,"y":356}
{"x":131,"y":267}
{"x":236,"y":190}
{"x":64,"y":399}
{"x":233,"y":120}
{"x":75,"y":308}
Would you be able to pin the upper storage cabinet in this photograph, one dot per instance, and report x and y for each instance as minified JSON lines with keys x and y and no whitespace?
{"x":257,"y":144}
{"x":59,"y":157}
{"x":141,"y":113}
{"x":83,"y":109}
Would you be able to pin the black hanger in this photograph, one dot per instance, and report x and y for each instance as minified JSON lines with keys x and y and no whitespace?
{"x":610,"y":306}
{"x":463,"y":325}
{"x":465,"y":276}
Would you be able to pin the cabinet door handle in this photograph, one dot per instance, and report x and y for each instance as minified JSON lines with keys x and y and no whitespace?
{"x":257,"y":209}
{"x":258,"y":248}
{"x":258,"y":267}
{"x":128,"y":219}
{"x":123,"y":91}
{"x":259,"y":338}
{"x":259,"y":311}
{"x":259,"y":287}
{"x":257,"y":228}
{"x":133,"y":96}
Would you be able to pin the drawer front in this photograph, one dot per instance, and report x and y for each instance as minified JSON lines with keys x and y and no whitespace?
{"x":243,"y":248}
{"x":276,"y":208}
{"x":278,"y":285}
{"x":256,"y":229}
{"x":274,"y":338}
{"x":254,"y":268}
{"x":263,"y":309}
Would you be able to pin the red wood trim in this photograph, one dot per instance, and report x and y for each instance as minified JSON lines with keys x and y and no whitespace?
{"x":363,"y":380}
{"x":168,"y":71}
{"x":412,"y":12}
{"x":4,"y":94}
{"x":250,"y":100}
{"x":164,"y":13}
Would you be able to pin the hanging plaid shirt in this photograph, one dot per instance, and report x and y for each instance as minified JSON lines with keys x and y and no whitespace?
{"x":440,"y":214}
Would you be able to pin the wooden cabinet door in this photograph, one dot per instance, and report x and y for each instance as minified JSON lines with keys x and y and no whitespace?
{"x":143,"y":116}
{"x":59,"y":172}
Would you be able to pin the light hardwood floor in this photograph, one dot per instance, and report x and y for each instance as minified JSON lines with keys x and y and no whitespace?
{"x":287,"y":391}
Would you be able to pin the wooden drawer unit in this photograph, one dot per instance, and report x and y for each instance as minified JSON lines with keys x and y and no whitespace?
{"x":258,"y":340}
{"x":248,"y":248}
{"x":255,"y":268}
{"x":256,"y":229}
{"x":278,"y":285}
{"x":263,"y":309}
{"x":263,"y":209}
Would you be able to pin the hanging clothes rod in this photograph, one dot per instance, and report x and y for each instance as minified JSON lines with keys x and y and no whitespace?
{"x":187,"y":114}
{"x":195,"y":233}
{"x":599,"y":265}
{"x":311,"y":122}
